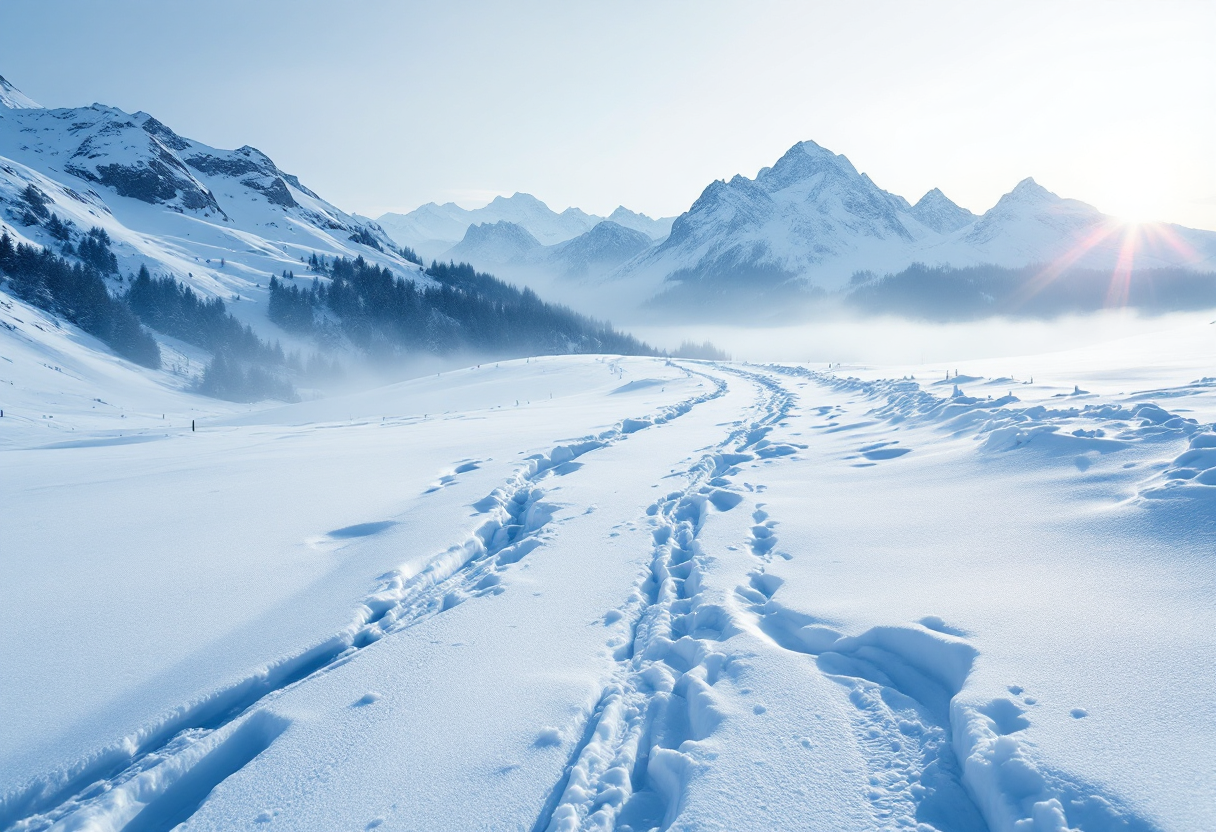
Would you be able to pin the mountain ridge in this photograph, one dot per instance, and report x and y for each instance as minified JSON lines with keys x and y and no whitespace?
{"x":432,"y":229}
{"x":813,"y":220}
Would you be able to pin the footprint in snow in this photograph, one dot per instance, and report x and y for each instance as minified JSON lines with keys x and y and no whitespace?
{"x":548,"y":737}
{"x":362,"y":529}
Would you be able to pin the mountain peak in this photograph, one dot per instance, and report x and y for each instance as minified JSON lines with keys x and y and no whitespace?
{"x":14,"y":98}
{"x":1028,"y":188}
{"x":519,"y":198}
{"x":801,"y":162}
{"x":937,"y":211}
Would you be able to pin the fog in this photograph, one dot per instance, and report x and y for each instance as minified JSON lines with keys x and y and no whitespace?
{"x":897,"y":341}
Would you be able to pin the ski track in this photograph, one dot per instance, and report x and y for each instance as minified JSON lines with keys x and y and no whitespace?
{"x":630,"y":772}
{"x":934,"y":763}
{"x":156,"y":778}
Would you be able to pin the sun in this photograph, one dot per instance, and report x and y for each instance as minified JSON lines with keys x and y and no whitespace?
{"x":1136,"y":207}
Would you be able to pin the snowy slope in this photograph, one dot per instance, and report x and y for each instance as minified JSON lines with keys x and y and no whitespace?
{"x":601,"y":593}
{"x":432,"y":229}
{"x":221,"y":221}
{"x":15,"y":99}
{"x":812,"y":218}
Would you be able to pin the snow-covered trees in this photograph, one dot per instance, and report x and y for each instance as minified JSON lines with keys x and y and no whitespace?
{"x":77,"y":293}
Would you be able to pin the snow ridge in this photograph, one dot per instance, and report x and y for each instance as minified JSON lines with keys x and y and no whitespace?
{"x":14,"y":98}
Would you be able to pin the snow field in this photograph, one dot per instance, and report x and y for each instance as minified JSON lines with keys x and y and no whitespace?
{"x":746,"y":597}
{"x":168,"y":610}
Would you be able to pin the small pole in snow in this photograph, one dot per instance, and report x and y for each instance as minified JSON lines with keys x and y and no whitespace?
{"x":191,"y":425}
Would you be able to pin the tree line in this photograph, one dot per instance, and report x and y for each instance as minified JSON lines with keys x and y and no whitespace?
{"x":77,"y":292}
{"x":386,"y":315}
{"x":944,"y":293}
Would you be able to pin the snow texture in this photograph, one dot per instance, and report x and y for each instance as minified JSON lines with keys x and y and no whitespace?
{"x":606,"y":593}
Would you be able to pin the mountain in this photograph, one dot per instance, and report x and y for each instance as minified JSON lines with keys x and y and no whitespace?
{"x":934,"y":210}
{"x":810,"y":211}
{"x":183,"y":258}
{"x":604,"y":247}
{"x":432,"y":229}
{"x":812,"y":221}
{"x":486,"y":244}
{"x":221,"y":221}
{"x":654,"y":229}
{"x":15,"y":99}
{"x":509,"y":250}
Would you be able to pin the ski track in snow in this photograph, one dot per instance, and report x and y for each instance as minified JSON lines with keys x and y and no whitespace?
{"x":629,"y":773}
{"x":156,"y":779}
{"x":934,"y":763}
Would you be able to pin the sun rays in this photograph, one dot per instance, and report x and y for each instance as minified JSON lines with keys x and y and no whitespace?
{"x":1127,"y":244}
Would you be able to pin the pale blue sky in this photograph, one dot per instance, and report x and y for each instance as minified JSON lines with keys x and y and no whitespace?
{"x":386,"y":105}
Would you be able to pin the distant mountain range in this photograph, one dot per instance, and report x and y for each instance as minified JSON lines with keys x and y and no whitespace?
{"x":224,"y":221}
{"x":812,"y":220}
{"x":433,"y":230}
{"x":809,"y":224}
{"x":510,"y":246}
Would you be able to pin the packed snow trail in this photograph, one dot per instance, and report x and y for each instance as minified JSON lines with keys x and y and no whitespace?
{"x":553,"y":648}
{"x":629,"y":772}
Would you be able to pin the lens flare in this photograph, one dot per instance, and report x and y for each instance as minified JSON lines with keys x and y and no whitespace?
{"x":1120,"y":245}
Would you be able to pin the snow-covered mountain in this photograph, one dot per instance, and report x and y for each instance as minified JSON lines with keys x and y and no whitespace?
{"x":509,"y":250}
{"x":491,"y":244}
{"x":935,"y":210}
{"x":604,"y":247}
{"x":433,"y":229}
{"x":654,"y":229}
{"x":813,"y":219}
{"x":221,"y":221}
{"x":15,"y":99}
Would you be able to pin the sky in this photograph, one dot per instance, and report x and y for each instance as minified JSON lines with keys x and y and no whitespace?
{"x":383,"y":106}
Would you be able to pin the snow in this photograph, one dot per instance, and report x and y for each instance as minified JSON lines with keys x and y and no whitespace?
{"x":14,"y":98}
{"x":613,"y":593}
